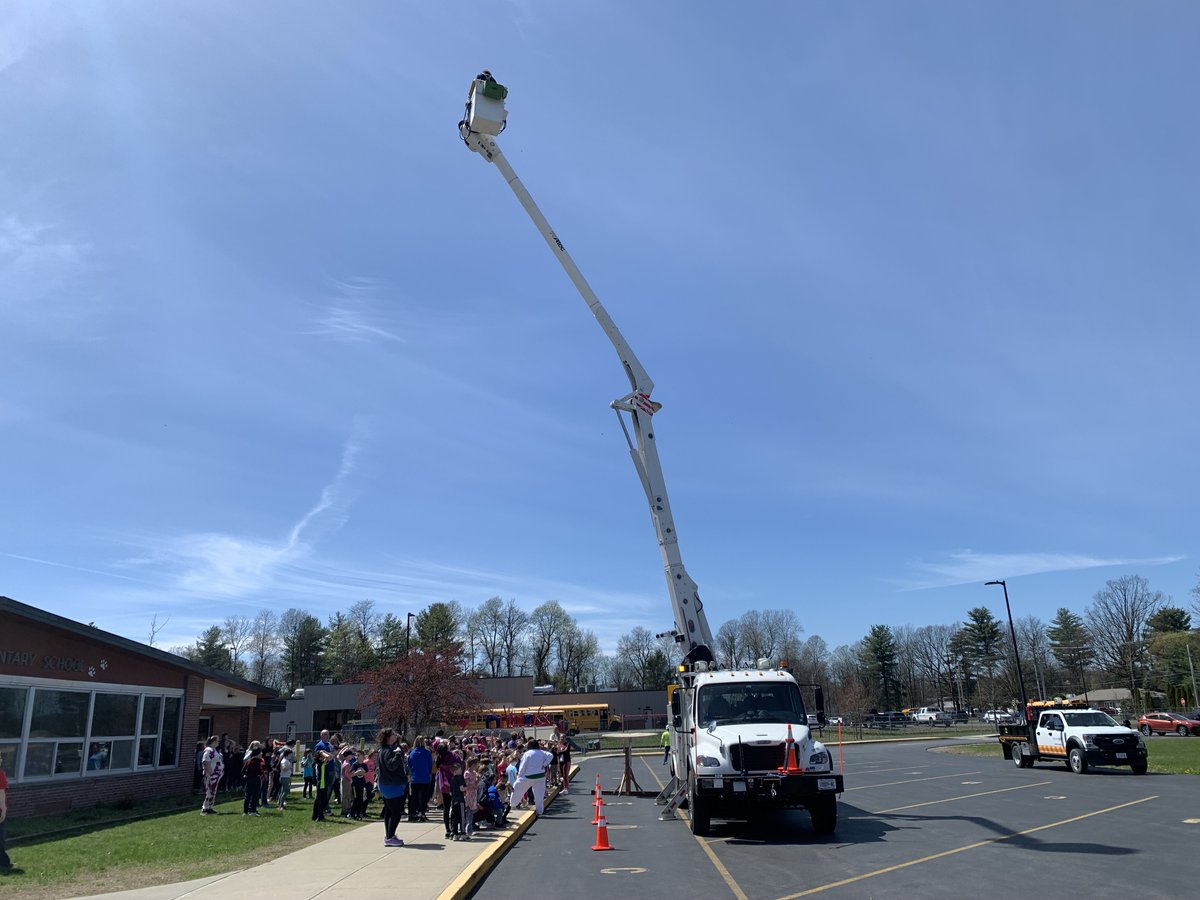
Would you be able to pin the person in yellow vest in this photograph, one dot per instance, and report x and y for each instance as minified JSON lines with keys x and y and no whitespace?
{"x":665,"y":740}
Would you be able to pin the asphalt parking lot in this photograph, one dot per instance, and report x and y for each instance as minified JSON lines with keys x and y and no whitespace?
{"x":911,"y":821}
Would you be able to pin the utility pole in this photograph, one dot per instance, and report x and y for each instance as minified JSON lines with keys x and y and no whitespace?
{"x":1192,"y":669}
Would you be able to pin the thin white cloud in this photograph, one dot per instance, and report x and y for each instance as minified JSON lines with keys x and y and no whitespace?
{"x":38,"y":263}
{"x":349,"y":316}
{"x":969,"y":567}
{"x":237,"y":567}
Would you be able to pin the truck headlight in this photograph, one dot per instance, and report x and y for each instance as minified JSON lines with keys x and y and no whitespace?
{"x":819,"y":760}
{"x":708,"y":762}
{"x":1089,"y":741}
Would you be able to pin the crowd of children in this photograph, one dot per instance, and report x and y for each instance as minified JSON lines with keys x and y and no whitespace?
{"x":468,"y":778}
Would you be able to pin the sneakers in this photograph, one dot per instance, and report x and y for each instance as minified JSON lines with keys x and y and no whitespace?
{"x":393,"y":842}
{"x":208,"y":812}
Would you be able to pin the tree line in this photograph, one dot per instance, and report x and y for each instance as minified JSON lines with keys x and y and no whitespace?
{"x":1128,"y":636}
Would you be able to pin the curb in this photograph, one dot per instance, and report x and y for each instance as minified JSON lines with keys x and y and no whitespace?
{"x":462,"y":886}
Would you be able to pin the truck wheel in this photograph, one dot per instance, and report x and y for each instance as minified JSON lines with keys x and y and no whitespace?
{"x":1077,"y":760}
{"x":1021,"y":759}
{"x":1146,"y":730}
{"x":822,"y":810}
{"x":1139,"y":767}
{"x":698,"y":814}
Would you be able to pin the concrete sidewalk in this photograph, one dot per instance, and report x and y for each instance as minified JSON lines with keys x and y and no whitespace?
{"x":356,"y":866}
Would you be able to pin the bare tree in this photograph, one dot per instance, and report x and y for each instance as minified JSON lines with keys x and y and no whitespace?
{"x":236,"y":631}
{"x":513,"y":623}
{"x":546,"y":623}
{"x":484,"y":632}
{"x":155,"y":628}
{"x":754,"y":638}
{"x":782,"y":630}
{"x":264,"y":643}
{"x":1117,"y":621}
{"x":729,"y":644}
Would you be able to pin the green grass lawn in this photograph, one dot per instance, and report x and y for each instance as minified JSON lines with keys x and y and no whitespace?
{"x":173,"y":844}
{"x":1171,"y":756}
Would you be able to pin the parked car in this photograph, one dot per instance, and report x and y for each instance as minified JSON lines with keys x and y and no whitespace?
{"x":894,"y":719}
{"x":1164,"y":722}
{"x":960,"y":716}
{"x":998,"y":717}
{"x":835,"y":720}
{"x":932,"y":715}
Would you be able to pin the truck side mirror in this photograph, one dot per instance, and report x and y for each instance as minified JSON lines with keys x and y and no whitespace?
{"x":676,"y":721}
{"x":819,"y":695}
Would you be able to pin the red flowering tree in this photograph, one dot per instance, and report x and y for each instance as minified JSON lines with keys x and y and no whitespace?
{"x":423,"y":690}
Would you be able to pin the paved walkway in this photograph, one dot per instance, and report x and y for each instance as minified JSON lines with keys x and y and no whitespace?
{"x":356,"y":866}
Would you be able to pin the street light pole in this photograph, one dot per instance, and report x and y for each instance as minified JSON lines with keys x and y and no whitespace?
{"x":408,"y":633}
{"x":1016,"y":653}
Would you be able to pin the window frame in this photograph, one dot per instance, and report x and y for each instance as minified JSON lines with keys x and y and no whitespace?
{"x":91,"y":733}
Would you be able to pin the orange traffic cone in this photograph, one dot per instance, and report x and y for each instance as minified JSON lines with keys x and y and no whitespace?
{"x":602,"y":836}
{"x":599,"y":802}
{"x":791,"y":762}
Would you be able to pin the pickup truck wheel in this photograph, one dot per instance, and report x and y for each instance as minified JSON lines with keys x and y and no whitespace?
{"x":822,"y":810}
{"x":698,"y":813}
{"x":1021,"y":759}
{"x":1139,"y":767}
{"x":1146,"y":730}
{"x":1077,"y":760}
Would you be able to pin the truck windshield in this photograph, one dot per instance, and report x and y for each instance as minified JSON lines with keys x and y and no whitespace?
{"x":1089,"y":718}
{"x":728,"y":703}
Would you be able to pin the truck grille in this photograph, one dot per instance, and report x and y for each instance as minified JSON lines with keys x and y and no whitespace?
{"x":756,"y":757}
{"x":1109,"y":742}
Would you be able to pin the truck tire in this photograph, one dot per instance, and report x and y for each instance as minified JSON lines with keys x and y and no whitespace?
{"x":822,"y":809}
{"x":1077,"y":760}
{"x":1021,"y":759}
{"x":698,"y":812}
{"x":1139,"y":767}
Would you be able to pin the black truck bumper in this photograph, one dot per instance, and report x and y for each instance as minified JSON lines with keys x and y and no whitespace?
{"x":769,"y":788}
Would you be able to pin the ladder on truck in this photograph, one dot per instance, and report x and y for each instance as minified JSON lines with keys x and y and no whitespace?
{"x":671,"y":796}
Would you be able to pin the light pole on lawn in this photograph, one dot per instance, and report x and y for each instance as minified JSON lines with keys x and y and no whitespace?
{"x":1016,"y":653}
{"x":408,"y":633}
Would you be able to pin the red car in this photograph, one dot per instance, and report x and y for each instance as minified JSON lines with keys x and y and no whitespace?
{"x":1163,"y":722}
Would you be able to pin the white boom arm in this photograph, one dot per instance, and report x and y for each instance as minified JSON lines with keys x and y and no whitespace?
{"x":485,"y":118}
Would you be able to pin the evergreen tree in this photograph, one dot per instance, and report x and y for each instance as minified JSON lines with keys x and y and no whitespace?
{"x":1071,"y":644}
{"x":877,"y":655}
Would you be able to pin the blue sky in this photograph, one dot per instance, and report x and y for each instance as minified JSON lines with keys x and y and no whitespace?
{"x":916,"y":285}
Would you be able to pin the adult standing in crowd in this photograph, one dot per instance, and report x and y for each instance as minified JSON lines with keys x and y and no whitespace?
{"x":392,"y":783}
{"x":446,"y":760}
{"x":420,"y":773}
{"x":6,"y":865}
{"x":326,"y":772}
{"x":213,"y":764}
{"x":531,"y":774}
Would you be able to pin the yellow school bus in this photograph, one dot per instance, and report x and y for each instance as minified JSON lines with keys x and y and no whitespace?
{"x":590,"y":717}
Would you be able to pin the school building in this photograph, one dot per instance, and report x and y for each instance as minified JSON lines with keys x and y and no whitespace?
{"x":87,"y":716}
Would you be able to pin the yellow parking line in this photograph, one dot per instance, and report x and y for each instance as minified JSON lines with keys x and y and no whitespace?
{"x":1019,"y":787}
{"x":945,"y":853}
{"x":910,"y":781}
{"x":708,"y":851}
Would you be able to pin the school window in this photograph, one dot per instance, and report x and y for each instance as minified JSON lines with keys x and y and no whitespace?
{"x":52,"y":732}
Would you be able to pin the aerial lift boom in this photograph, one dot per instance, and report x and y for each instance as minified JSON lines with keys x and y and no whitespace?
{"x":485,"y":118}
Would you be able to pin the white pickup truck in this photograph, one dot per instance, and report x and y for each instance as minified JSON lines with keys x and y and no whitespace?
{"x":932,"y":715}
